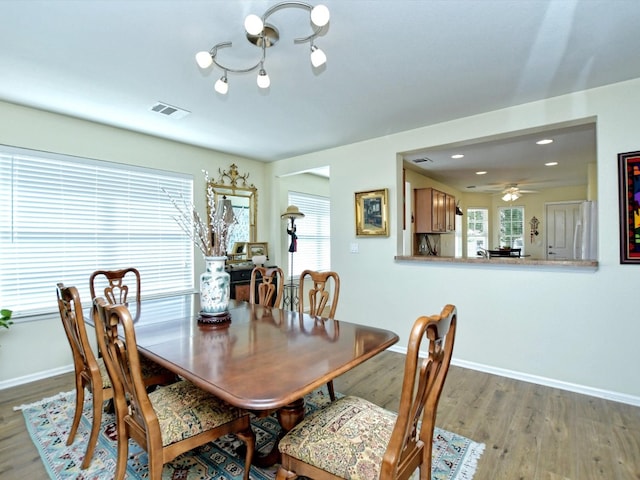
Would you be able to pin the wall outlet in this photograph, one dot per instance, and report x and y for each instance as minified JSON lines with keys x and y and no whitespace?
{"x":354,"y":248}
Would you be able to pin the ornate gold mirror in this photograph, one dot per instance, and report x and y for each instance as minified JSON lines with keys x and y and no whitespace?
{"x":244,"y":200}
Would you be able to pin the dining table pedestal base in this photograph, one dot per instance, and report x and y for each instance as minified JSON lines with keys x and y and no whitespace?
{"x":288,"y":417}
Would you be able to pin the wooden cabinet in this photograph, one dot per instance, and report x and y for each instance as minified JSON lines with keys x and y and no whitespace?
{"x":435,"y":211}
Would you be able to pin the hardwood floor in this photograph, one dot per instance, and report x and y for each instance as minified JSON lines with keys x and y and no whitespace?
{"x":531,"y":432}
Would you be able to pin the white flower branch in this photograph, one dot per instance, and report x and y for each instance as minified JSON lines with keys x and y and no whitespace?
{"x":212,"y":238}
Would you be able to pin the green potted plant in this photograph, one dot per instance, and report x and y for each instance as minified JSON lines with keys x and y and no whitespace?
{"x":5,"y":319}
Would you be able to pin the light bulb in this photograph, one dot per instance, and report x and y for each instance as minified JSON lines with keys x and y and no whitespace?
{"x":253,"y":24}
{"x":221,"y":86}
{"x":203,"y":59}
{"x":318,"y":57}
{"x":263,"y":79}
{"x":320,"y":15}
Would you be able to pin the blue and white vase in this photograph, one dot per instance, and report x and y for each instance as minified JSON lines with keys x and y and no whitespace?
{"x":215,"y":288}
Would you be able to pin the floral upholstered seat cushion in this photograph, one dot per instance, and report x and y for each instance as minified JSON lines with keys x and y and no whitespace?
{"x":150,"y":369}
{"x":347,"y":438}
{"x":106,"y":381}
{"x":184,"y":410}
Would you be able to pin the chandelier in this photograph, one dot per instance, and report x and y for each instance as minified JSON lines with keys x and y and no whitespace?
{"x":264,"y":35}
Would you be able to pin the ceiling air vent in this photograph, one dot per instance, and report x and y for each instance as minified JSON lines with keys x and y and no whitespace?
{"x":169,"y":110}
{"x":422,"y":160}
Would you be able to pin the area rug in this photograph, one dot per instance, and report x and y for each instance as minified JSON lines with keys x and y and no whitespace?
{"x":49,"y":420}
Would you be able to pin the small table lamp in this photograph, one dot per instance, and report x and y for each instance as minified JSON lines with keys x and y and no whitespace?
{"x":292,"y":213}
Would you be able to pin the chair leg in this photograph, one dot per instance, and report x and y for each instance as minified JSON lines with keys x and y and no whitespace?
{"x":249,"y":439}
{"x":332,"y":393}
{"x":123,"y":451}
{"x":284,"y":474}
{"x":95,"y":427}
{"x":155,"y":465}
{"x":78,"y":412}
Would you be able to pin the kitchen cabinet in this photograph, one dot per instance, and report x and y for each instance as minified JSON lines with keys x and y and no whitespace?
{"x":435,"y":211}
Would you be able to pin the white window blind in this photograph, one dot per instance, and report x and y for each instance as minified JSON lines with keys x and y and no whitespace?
{"x":314,"y":233}
{"x":64,"y":217}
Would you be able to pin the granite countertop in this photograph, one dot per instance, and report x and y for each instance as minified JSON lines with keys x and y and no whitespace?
{"x":502,"y":261}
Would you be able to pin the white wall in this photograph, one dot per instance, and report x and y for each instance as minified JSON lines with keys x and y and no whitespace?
{"x":34,"y":348}
{"x":578,"y":328}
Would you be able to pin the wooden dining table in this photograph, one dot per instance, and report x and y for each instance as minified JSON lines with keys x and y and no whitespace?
{"x":263,"y":359}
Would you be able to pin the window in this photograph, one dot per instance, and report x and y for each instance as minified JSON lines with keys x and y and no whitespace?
{"x":477,"y":230}
{"x":64,"y":217}
{"x":511,"y":227}
{"x":314,"y":234}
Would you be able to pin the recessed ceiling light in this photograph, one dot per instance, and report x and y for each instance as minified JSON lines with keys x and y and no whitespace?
{"x":551,"y":164}
{"x":457,"y":155}
{"x":546,"y":141}
{"x":481,"y":172}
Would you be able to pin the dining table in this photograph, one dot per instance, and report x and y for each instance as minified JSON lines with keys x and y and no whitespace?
{"x":259,"y":358}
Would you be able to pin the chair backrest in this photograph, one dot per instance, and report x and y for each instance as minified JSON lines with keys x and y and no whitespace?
{"x":116,"y":289}
{"x":271,"y":286}
{"x":411,"y":441}
{"x":70,"y":307}
{"x":318,"y":295}
{"x":123,"y":364}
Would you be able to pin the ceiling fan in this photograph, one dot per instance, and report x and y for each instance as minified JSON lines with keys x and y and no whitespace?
{"x":512,"y":192}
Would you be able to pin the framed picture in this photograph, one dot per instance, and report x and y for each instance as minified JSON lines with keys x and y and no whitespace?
{"x":257,"y":248}
{"x":238,"y":252}
{"x":239,"y":248}
{"x":372,"y":213}
{"x":629,"y":178}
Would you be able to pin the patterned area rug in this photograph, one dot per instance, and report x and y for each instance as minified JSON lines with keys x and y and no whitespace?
{"x":48,"y":422}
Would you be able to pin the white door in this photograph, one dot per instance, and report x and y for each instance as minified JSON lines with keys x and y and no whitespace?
{"x":561,"y":220}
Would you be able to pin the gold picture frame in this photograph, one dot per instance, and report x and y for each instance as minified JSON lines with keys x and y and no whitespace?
{"x":238,"y":253}
{"x":257,"y":248}
{"x":372,"y":213}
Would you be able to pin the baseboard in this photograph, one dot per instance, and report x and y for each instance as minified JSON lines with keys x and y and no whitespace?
{"x":14,"y":382}
{"x":547,"y":382}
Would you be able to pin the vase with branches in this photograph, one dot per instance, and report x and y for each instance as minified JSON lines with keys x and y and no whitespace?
{"x":211,"y":238}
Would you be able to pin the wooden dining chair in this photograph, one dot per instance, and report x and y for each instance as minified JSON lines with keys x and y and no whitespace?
{"x":318,"y":296}
{"x":170,"y":420}
{"x":353,"y":438}
{"x":90,"y":372}
{"x":269,"y":289}
{"x":115,"y":284}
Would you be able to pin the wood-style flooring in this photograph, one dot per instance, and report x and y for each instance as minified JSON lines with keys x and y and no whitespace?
{"x":531,"y":432}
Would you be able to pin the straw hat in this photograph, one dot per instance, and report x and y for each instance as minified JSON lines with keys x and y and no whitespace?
{"x":292,"y":212}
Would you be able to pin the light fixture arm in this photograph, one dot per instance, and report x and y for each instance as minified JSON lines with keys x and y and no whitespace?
{"x":214,"y":51}
{"x":279,"y":6}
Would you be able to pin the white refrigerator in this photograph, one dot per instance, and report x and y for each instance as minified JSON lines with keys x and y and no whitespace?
{"x":585,"y":239}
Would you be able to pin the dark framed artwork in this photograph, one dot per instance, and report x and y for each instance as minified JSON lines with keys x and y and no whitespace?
{"x":629,"y":191}
{"x":372,"y":213}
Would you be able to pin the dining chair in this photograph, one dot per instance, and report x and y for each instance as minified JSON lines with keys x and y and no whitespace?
{"x":352,"y":438}
{"x":90,"y":371}
{"x":116,"y":290}
{"x":115,"y":287}
{"x":271,"y":284}
{"x":318,"y":296}
{"x":172,"y":419}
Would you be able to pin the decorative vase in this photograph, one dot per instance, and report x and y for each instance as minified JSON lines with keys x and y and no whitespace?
{"x":214,"y":288}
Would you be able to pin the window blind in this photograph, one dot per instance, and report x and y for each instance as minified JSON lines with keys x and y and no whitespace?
{"x":64,"y":217}
{"x":314,"y":233}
